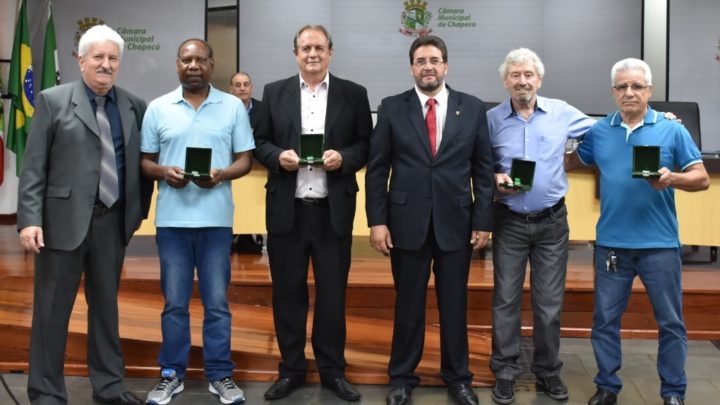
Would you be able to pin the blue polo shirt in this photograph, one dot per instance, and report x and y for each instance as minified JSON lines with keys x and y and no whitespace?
{"x":541,"y":138}
{"x":633,"y":215}
{"x":170,"y":125}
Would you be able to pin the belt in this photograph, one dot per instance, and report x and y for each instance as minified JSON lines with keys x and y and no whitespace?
{"x":534,"y":216}
{"x":100,"y":209}
{"x":311,"y":201}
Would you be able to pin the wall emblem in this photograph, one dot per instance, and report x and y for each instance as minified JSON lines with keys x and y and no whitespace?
{"x":415,"y":19}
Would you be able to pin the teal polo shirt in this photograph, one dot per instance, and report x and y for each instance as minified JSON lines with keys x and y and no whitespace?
{"x":633,"y":215}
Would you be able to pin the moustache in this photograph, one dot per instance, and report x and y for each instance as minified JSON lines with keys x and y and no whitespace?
{"x":102,"y":70}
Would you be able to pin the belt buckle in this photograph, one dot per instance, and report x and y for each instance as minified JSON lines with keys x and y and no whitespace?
{"x":531,"y":217}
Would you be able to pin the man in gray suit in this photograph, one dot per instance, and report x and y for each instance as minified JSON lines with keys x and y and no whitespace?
{"x":77,"y":209}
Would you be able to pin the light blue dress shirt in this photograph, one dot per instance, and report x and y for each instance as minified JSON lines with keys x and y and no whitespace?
{"x":541,"y":138}
{"x":170,"y":125}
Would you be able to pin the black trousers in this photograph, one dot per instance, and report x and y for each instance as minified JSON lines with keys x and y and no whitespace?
{"x":57,"y":279}
{"x":411,"y":273}
{"x":312,"y":237}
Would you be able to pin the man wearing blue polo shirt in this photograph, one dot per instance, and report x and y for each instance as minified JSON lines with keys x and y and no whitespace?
{"x":194,"y":218}
{"x":637,"y":233}
{"x":530,"y":225}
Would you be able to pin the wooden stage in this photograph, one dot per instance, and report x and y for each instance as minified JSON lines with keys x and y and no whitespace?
{"x":370,"y":301}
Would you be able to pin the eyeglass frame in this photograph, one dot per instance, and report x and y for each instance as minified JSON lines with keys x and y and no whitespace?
{"x":632,"y":86}
{"x":422,"y":62}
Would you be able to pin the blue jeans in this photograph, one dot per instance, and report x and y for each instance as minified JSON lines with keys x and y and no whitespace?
{"x":182,"y":250}
{"x":660,"y":272}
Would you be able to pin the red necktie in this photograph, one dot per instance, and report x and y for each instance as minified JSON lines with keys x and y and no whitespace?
{"x":431,"y":123}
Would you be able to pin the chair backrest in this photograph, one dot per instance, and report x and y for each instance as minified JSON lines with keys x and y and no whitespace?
{"x":490,"y":104}
{"x":687,"y":111}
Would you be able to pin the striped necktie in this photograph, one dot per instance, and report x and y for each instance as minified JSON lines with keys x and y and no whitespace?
{"x":108,"y":189}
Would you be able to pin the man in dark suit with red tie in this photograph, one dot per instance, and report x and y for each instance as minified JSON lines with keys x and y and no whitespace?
{"x":310,"y":209}
{"x":432,"y":141}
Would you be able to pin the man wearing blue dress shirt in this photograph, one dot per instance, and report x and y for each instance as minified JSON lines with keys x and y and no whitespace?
{"x":530,"y":224}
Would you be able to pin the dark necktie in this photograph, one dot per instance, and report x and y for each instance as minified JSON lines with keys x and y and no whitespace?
{"x":108,"y":189}
{"x":431,"y":123}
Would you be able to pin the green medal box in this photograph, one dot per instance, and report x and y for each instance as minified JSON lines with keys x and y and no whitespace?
{"x":197,"y":163}
{"x":522,"y":172}
{"x":311,"y":149}
{"x":646,"y":162}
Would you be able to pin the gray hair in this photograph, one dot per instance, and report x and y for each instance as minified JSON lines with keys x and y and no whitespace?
{"x":518,"y":56}
{"x":631,"y":64}
{"x":98,"y":34}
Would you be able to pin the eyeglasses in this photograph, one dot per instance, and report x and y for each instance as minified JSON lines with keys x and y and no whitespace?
{"x":434,"y":62}
{"x":633,"y":86}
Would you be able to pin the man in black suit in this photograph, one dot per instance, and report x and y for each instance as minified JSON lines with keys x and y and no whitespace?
{"x":310,"y":209}
{"x":78,"y":217}
{"x":241,"y":87}
{"x":434,"y":141}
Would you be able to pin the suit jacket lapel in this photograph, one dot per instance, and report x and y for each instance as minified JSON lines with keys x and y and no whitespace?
{"x":125,"y":109}
{"x":418,"y":120}
{"x":334,"y":104}
{"x":83,"y":109}
{"x":452,"y":121}
{"x":291,"y":103}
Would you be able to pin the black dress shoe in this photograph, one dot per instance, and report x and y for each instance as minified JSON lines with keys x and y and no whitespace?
{"x":398,"y":396}
{"x":552,"y":386}
{"x":503,"y":392}
{"x":463,"y":394}
{"x":603,"y":397}
{"x":673,"y":400}
{"x":126,"y":398}
{"x":282,"y":387}
{"x":342,"y":388}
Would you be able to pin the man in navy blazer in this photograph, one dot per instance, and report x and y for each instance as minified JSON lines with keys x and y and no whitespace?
{"x":310,"y":209}
{"x":436,"y":210}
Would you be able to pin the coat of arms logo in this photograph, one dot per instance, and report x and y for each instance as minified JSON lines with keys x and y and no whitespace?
{"x":415,"y":19}
{"x":84,"y":25}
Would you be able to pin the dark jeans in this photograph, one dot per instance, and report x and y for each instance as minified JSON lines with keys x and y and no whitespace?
{"x":545,"y":244}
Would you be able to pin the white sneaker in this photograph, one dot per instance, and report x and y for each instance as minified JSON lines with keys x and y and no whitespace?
{"x":227,"y":391}
{"x":164,"y":391}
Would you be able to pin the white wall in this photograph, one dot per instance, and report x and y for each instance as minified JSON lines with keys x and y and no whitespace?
{"x":655,"y":44}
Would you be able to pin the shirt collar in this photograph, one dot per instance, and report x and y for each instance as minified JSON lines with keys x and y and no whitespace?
{"x":651,"y":117}
{"x":541,"y":103}
{"x":212,"y":97}
{"x":324,"y":84}
{"x":91,"y":94}
{"x":441,"y":97}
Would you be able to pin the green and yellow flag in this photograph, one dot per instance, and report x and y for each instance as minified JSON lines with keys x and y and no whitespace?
{"x":50,"y":71}
{"x":21,"y":89}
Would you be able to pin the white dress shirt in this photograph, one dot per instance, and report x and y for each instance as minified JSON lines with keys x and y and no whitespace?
{"x":312,"y":180}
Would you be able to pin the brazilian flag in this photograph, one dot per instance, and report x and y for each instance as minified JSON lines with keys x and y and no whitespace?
{"x":21,"y":89}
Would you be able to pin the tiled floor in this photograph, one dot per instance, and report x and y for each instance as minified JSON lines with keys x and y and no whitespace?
{"x":638,"y":373}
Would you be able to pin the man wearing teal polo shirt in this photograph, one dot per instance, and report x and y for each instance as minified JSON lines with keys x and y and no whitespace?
{"x":637,"y":233}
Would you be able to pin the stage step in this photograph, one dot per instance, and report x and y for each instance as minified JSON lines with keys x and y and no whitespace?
{"x":370,"y":302}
